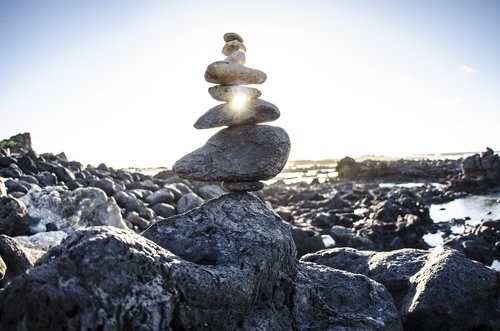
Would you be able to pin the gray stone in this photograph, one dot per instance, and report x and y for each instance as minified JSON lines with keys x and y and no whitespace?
{"x":437,"y":290}
{"x":17,"y":258}
{"x":241,"y":153}
{"x":229,"y":73}
{"x":451,"y":292}
{"x":13,"y":216}
{"x":164,"y":210}
{"x":209,"y":191}
{"x":329,"y":299}
{"x":73,"y":209}
{"x":226,"y":93}
{"x":228,"y":36}
{"x":306,"y":240}
{"x":134,"y":218}
{"x":163,"y":195}
{"x":236,"y":57}
{"x":229,"y":114}
{"x":42,"y":241}
{"x":231,"y":47}
{"x":243,"y":186}
{"x":188,"y":202}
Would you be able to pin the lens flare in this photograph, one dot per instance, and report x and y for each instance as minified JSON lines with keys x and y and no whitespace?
{"x":239,"y":101}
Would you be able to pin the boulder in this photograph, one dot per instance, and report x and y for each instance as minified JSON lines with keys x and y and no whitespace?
{"x":239,"y":153}
{"x":16,"y":258}
{"x":73,"y":209}
{"x":437,"y":290}
{"x":14,"y":219}
{"x":42,"y":241}
{"x":329,"y":299}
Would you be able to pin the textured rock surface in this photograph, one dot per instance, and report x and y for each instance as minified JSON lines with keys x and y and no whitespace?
{"x":13,"y":216}
{"x":17,"y":259}
{"x":440,"y":290}
{"x":227,"y":93}
{"x":43,"y":240}
{"x":236,"y":270}
{"x":341,"y":301}
{"x":239,"y":153}
{"x":227,"y":114}
{"x":228,"y":36}
{"x":229,"y":73}
{"x":243,"y":186}
{"x":73,"y":209}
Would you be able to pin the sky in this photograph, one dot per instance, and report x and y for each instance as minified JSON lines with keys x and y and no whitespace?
{"x":122,"y":82}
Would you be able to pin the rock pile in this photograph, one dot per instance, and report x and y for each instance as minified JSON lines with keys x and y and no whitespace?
{"x":244,"y":153}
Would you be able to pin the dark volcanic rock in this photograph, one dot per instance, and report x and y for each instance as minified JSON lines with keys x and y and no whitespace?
{"x":16,"y":258}
{"x":239,"y":153}
{"x":341,"y":301}
{"x":437,"y":290}
{"x":106,"y":279}
{"x":236,"y":270}
{"x":13,"y":217}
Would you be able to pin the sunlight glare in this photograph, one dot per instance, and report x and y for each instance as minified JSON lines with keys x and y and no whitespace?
{"x":239,"y":101}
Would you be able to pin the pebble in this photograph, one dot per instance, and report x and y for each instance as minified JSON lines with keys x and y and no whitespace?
{"x":231,"y":47}
{"x":229,"y":36}
{"x":227,"y":73}
{"x":243,"y":186}
{"x":236,"y":57}
{"x":227,"y":93}
{"x":227,"y":114}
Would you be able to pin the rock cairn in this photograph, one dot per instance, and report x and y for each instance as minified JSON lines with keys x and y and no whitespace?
{"x":245,"y":152}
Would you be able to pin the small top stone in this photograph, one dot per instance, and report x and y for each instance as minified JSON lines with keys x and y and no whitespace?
{"x":232,"y":46}
{"x":232,"y":36}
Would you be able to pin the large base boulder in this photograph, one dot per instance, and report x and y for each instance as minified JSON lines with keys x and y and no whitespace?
{"x":227,"y":265}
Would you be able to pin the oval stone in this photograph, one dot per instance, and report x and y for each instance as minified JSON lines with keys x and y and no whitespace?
{"x":236,"y":57}
{"x":240,"y":153}
{"x":228,"y":73}
{"x":227,"y":93}
{"x":227,"y":114}
{"x":232,"y":36}
{"x":231,"y":47}
{"x":243,"y":186}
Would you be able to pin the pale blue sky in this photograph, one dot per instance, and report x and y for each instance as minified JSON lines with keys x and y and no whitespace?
{"x":122,"y":82}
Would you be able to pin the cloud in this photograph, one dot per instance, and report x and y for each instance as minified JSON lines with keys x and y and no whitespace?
{"x":467,"y":70}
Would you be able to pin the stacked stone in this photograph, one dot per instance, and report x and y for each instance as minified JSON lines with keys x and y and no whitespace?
{"x":243,"y":153}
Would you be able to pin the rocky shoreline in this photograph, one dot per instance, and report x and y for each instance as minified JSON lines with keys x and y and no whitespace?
{"x":113,"y":222}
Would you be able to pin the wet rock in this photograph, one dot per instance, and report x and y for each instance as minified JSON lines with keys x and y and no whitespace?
{"x":238,"y":153}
